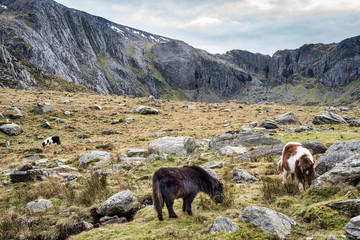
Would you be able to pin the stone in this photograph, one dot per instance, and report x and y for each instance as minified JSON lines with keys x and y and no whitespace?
{"x":29,"y":175}
{"x":6,"y":144}
{"x":68,"y":176}
{"x":128,"y":120}
{"x":122,"y":204}
{"x":137,"y":152}
{"x":351,"y":206}
{"x":335,"y":154}
{"x":241,"y":138}
{"x":242,"y":176}
{"x":332,"y":237}
{"x":189,"y":107}
{"x":112,"y":220}
{"x":108,"y":132}
{"x":2,"y":116}
{"x":328,"y":118}
{"x":231,"y":151}
{"x":17,"y":114}
{"x":287,"y":118}
{"x":214,"y":164}
{"x":180,"y":146}
{"x":223,"y":224}
{"x":45,"y":124}
{"x":41,"y":161}
{"x":40,"y":205}
{"x":212,"y":173}
{"x":268,"y":124}
{"x":254,"y":124}
{"x":347,"y":171}
{"x":163,"y":156}
{"x":68,"y":113}
{"x":352,"y":229}
{"x":152,"y":157}
{"x":94,"y":155}
{"x":133,"y":160}
{"x":268,"y":220}
{"x":42,"y":108}
{"x":59,"y":120}
{"x":11,"y":129}
{"x":146,"y":110}
{"x":95,"y":107}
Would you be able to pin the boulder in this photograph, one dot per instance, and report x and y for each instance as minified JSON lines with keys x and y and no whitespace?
{"x":137,"y":152}
{"x":241,"y":138}
{"x":152,"y":157}
{"x":45,"y":124}
{"x":335,"y":154}
{"x":40,"y":205}
{"x":328,"y":118}
{"x":268,"y":220}
{"x":22,"y":175}
{"x":315,"y":147}
{"x":231,"y":151}
{"x":42,"y":108}
{"x":347,"y":171}
{"x":214,"y":164}
{"x":17,"y":114}
{"x":223,"y":224}
{"x":122,"y":204}
{"x":351,"y":206}
{"x":242,"y":176}
{"x":95,"y":107}
{"x":212,"y":173}
{"x":94,"y":155}
{"x":6,"y":144}
{"x":305,"y":129}
{"x":269,"y":124}
{"x":180,"y":146}
{"x":352,"y":229}
{"x":287,"y":118}
{"x":11,"y":129}
{"x":146,"y":110}
{"x":128,"y":120}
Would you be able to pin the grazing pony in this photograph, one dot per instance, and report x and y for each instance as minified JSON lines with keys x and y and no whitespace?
{"x":51,"y":140}
{"x":171,"y":183}
{"x":297,"y":160}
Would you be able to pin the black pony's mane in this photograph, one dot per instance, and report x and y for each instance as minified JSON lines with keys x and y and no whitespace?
{"x":208,"y":182}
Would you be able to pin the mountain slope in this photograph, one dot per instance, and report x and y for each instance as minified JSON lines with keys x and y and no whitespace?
{"x":114,"y":59}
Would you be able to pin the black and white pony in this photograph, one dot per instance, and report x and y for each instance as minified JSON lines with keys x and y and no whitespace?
{"x":51,"y":140}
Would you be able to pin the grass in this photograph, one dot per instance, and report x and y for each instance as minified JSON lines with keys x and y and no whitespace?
{"x":309,"y":210}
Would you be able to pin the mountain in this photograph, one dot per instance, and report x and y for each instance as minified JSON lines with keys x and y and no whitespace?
{"x":110,"y":58}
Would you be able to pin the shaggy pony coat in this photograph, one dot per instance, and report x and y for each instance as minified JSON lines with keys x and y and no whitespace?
{"x":172,"y":183}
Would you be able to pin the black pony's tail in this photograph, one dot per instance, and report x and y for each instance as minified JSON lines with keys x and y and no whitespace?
{"x":157,"y":197}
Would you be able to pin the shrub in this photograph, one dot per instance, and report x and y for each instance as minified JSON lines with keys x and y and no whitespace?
{"x":273,"y":187}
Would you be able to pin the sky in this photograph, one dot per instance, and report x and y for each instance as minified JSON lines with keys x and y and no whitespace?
{"x":218,"y":26}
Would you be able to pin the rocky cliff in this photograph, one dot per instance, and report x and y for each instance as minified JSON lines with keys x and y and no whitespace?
{"x":114,"y":59}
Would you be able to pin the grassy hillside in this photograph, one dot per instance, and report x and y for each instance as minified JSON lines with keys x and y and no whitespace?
{"x":309,"y":210}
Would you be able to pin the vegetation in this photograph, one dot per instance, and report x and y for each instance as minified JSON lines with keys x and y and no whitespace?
{"x":81,"y":132}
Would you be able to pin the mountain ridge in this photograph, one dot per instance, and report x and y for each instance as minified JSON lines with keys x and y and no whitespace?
{"x":111,"y":58}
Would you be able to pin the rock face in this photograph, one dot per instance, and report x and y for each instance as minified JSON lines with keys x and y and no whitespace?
{"x":287,"y":118}
{"x":352,"y":229}
{"x":328,"y":118}
{"x":181,"y":146}
{"x":94,"y":52}
{"x":95,"y":155}
{"x":42,"y":108}
{"x":243,"y":176}
{"x":11,"y":129}
{"x":122,"y":204}
{"x":243,"y":138}
{"x":268,"y":220}
{"x":40,"y":205}
{"x":347,"y":171}
{"x":223,"y":224}
{"x":336,"y":154}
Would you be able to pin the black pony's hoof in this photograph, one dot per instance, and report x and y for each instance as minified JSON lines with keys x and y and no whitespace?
{"x":173,"y":216}
{"x":160,"y":218}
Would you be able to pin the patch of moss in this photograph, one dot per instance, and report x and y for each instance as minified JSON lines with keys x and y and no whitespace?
{"x":324,"y":193}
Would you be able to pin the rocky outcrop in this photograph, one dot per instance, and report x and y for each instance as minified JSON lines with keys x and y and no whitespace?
{"x":110,"y":58}
{"x":94,"y":156}
{"x":180,"y":146}
{"x":335,"y":154}
{"x":268,"y":220}
{"x":352,"y":229}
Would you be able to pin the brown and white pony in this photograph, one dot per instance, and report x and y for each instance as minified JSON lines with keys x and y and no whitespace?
{"x":297,"y":160}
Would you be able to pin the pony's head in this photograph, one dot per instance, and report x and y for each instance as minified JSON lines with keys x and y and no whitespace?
{"x":218,"y":192}
{"x":307,"y":169}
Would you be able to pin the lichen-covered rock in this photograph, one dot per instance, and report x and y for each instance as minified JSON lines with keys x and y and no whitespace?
{"x":137,"y":152}
{"x":42,"y":108}
{"x":269,"y":124}
{"x":40,"y":205}
{"x":328,"y":118}
{"x":268,"y":220}
{"x":352,"y":229}
{"x":17,"y":114}
{"x":243,"y":176}
{"x":335,"y":154}
{"x":122,"y":204}
{"x":11,"y":129}
{"x":287,"y":118}
{"x":95,"y":107}
{"x":223,"y":224}
{"x":214,"y":164}
{"x":231,"y":151}
{"x":180,"y":146}
{"x":241,"y":138}
{"x":94,"y":155}
{"x":146,"y":110}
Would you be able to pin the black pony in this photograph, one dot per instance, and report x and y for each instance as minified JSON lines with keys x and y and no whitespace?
{"x":171,"y":183}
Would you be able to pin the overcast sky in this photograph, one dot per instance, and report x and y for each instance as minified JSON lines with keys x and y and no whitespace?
{"x":218,"y":26}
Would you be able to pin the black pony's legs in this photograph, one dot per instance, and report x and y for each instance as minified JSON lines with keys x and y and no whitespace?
{"x":187,"y":203}
{"x":169,"y":204}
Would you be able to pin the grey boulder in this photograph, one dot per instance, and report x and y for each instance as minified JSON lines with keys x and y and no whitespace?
{"x":268,"y":220}
{"x":231,"y":151}
{"x":40,"y":205}
{"x":180,"y":146}
{"x":287,"y":118}
{"x":328,"y":118}
{"x":17,"y":114}
{"x":269,"y":124}
{"x":122,"y":204}
{"x":42,"y":108}
{"x":146,"y":110}
{"x":352,"y":229}
{"x":223,"y":224}
{"x":11,"y":129}
{"x":243,"y":176}
{"x":94,"y":155}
